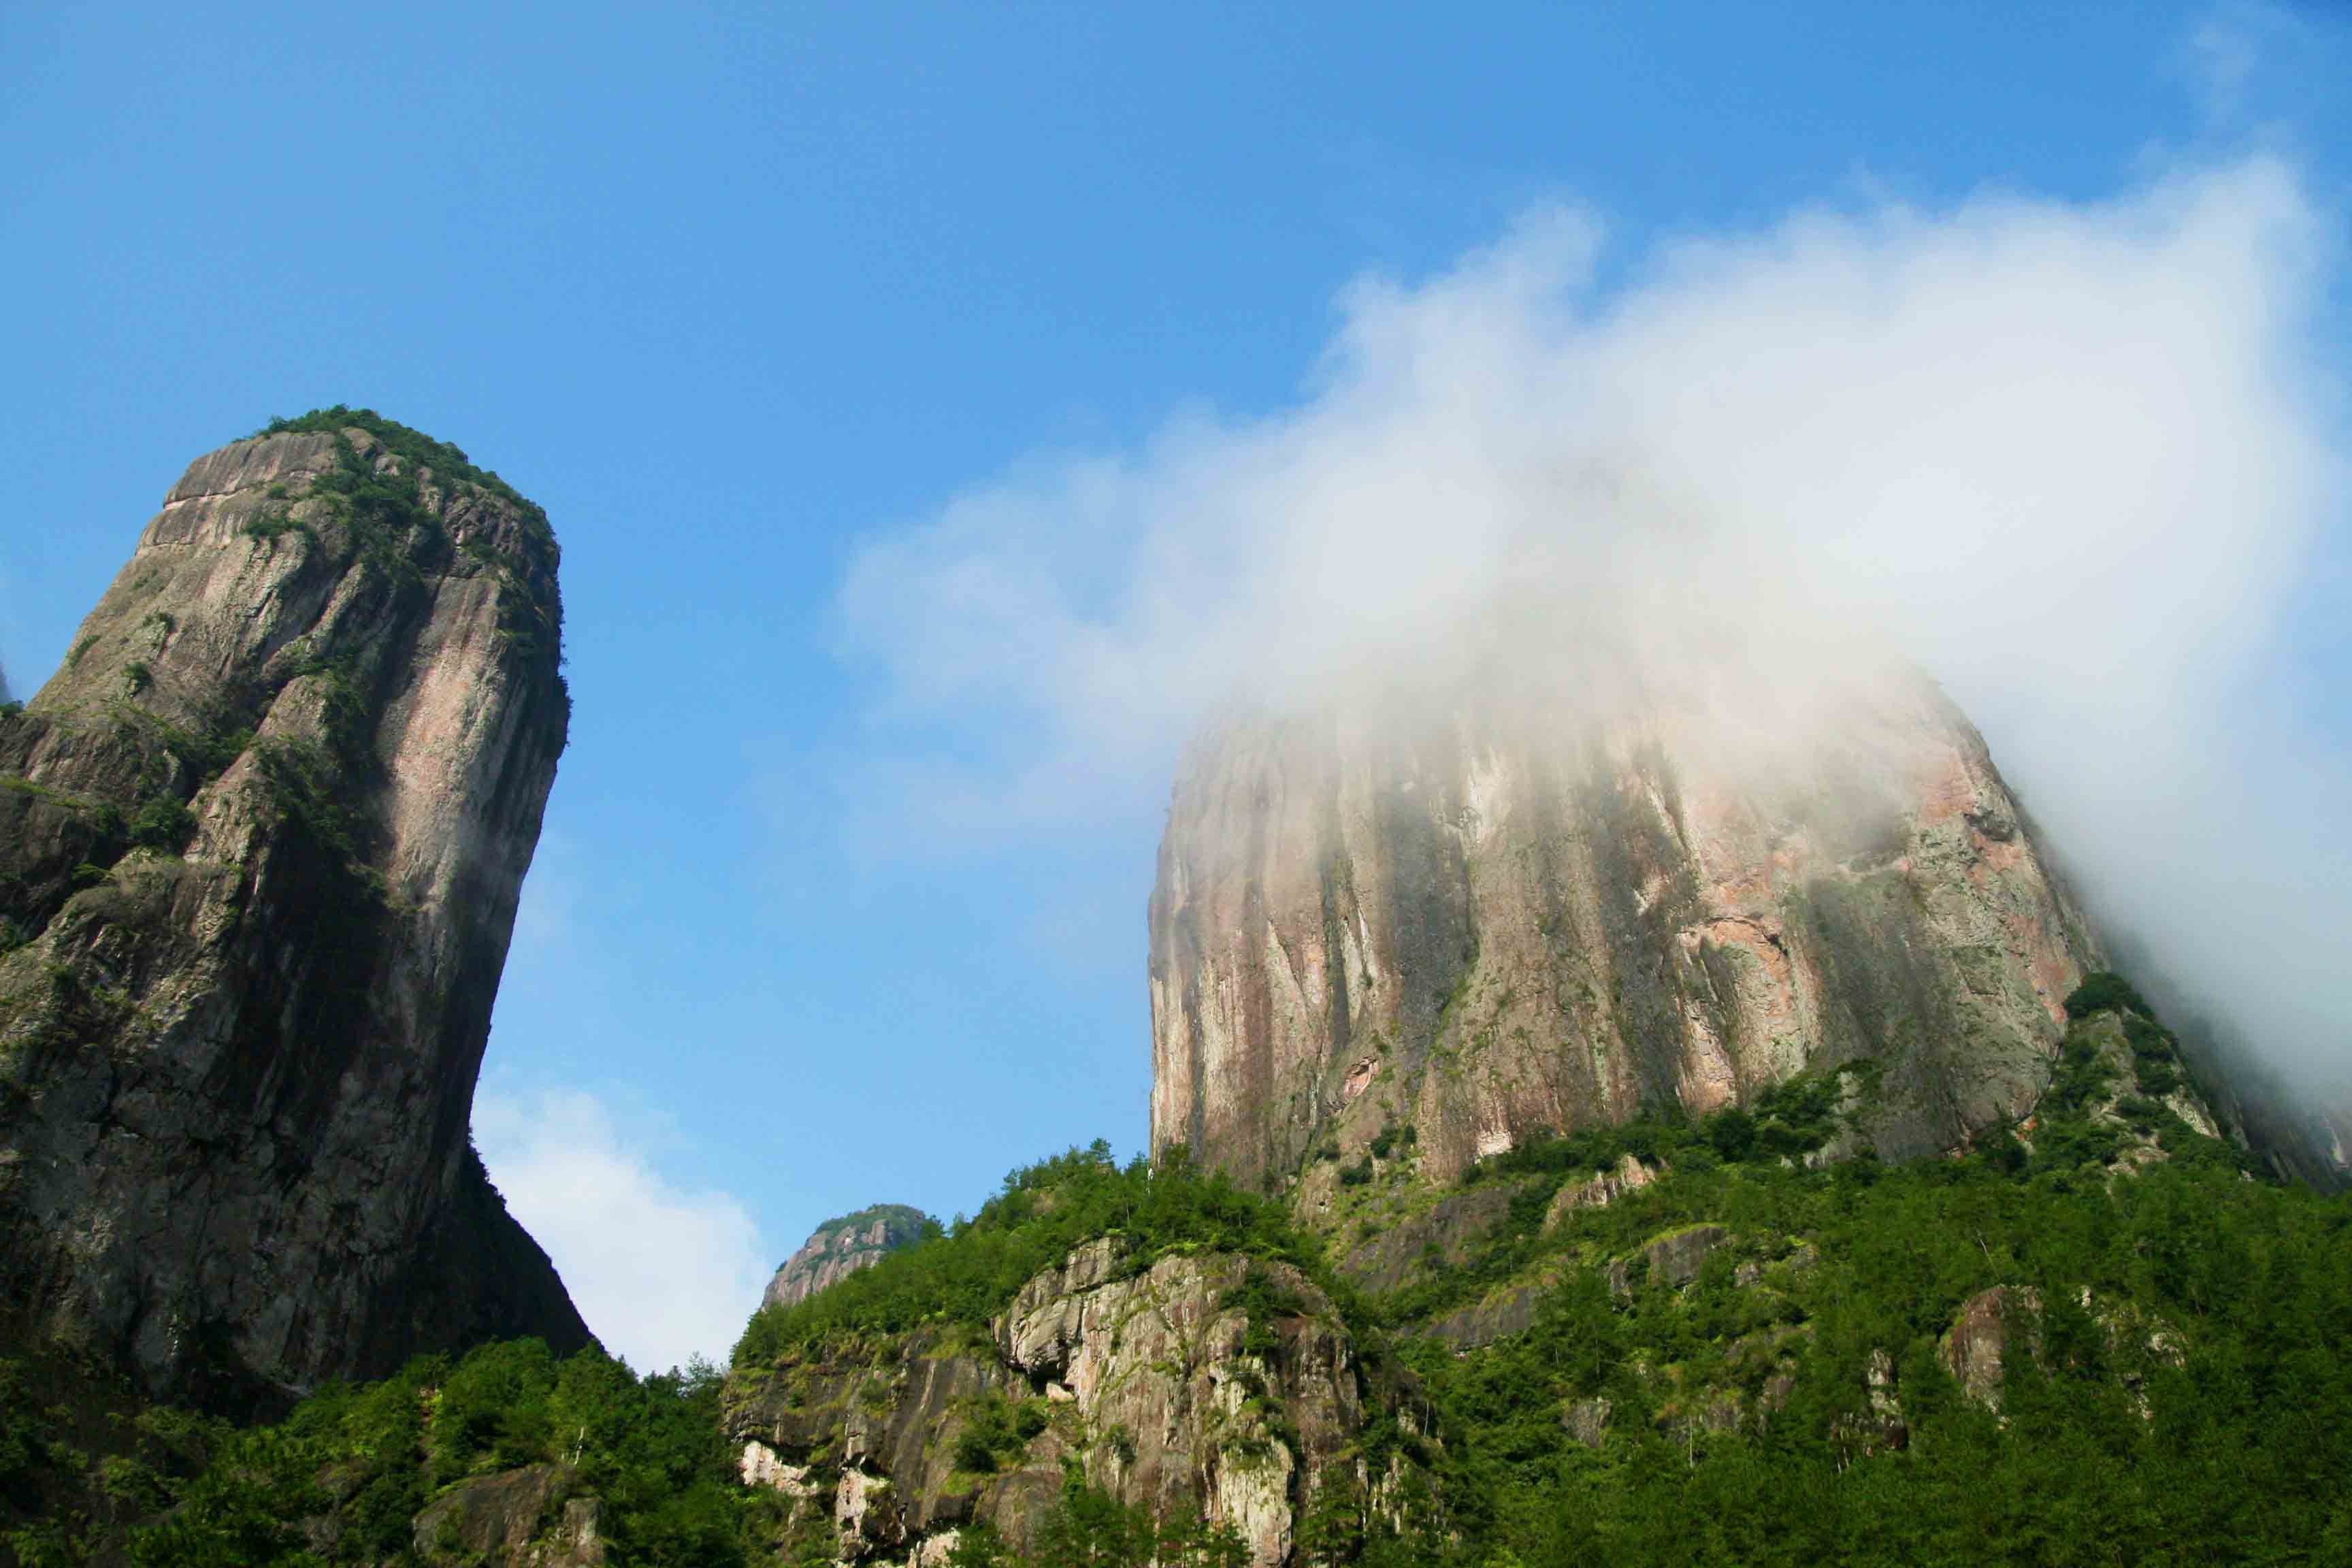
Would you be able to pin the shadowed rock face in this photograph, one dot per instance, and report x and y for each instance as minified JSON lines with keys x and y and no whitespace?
{"x":840,"y":1248}
{"x":261,"y":840}
{"x":1493,"y":930}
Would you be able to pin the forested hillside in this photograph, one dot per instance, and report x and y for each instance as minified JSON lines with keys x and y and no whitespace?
{"x":2098,"y":1339}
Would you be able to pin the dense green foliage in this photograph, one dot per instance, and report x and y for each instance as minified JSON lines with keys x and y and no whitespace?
{"x":2103,"y":992}
{"x":2241,"y":1451}
{"x":1785,"y":1119}
{"x":1088,"y":1528}
{"x":995,"y":1429}
{"x":974,"y":1268}
{"x":368,"y":1459}
{"x":342,"y":1478}
{"x":2184,"y":1397}
{"x":898,"y":1217}
{"x":413,"y":446}
{"x":1785,"y":1123}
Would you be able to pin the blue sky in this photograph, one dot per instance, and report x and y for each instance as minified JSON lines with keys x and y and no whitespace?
{"x":737,"y":296}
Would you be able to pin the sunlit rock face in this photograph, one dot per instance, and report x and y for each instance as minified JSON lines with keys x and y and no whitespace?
{"x":1509,"y":919}
{"x":261,"y":840}
{"x":1205,"y":1386}
{"x":840,"y":1248}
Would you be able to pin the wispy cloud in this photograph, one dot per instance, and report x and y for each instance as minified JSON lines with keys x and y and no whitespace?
{"x":2226,"y":48}
{"x":2073,"y":459}
{"x":660,"y":1273}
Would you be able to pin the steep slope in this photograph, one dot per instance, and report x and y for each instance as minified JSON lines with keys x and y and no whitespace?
{"x":261,"y":840}
{"x":1481,"y":928}
{"x":840,"y":1248}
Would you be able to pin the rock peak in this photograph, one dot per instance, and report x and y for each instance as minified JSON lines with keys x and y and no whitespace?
{"x":843,"y":1245}
{"x":1486,"y":930}
{"x":261,"y":840}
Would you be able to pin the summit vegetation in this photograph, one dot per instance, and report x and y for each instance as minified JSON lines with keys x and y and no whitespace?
{"x":413,"y":446}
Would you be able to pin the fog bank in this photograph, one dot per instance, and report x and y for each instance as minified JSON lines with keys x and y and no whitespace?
{"x":2072,"y":459}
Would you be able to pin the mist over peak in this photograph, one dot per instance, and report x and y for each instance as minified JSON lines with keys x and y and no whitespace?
{"x":2072,"y":459}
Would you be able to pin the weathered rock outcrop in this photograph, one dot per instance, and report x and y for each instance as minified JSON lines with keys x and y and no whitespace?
{"x":261,"y":840}
{"x":1981,"y":1347}
{"x":1976,"y":1348}
{"x":525,"y":1518}
{"x":1599,"y":1189}
{"x":840,"y":1248}
{"x":1206,"y":1384}
{"x":1487,"y":929}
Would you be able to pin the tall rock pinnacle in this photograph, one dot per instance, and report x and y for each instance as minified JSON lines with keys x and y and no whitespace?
{"x":261,"y":840}
{"x":1490,"y":930}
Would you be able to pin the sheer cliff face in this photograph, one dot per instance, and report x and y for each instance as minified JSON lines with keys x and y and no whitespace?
{"x":261,"y":840}
{"x":1486,"y":929}
{"x":840,"y":1248}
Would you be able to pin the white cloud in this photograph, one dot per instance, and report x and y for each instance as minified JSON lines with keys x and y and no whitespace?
{"x":2073,"y":457}
{"x":661,"y":1274}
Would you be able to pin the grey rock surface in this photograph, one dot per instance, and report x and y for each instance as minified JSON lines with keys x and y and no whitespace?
{"x":261,"y":841}
{"x":1976,"y":1348}
{"x":1498,"y":1317}
{"x":1587,"y":1421}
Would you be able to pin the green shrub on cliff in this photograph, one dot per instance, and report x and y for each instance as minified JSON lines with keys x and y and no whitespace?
{"x":163,"y":822}
{"x":413,"y":446}
{"x":2101,"y":990}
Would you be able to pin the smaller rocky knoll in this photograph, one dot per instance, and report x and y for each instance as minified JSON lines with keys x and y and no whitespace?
{"x":1210,"y":1384}
{"x":840,"y":1248}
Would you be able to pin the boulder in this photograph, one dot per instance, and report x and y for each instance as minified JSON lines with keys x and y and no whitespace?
{"x":512,"y":1519}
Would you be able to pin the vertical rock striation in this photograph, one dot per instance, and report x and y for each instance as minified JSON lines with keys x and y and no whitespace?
{"x":261,"y":839}
{"x":1491,"y":926}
